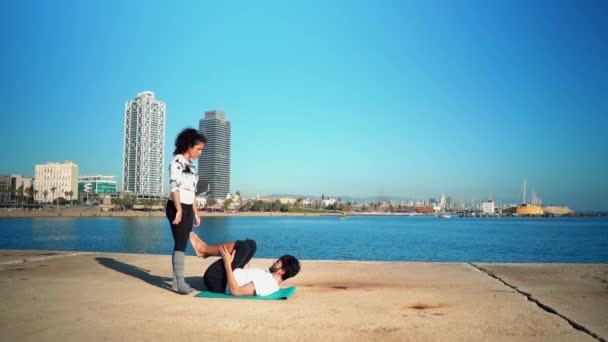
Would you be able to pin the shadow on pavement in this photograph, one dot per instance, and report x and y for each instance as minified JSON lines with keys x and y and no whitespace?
{"x":143,"y":274}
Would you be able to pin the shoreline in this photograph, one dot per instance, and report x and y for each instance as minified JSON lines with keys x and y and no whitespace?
{"x":90,"y":212}
{"x":135,"y":213}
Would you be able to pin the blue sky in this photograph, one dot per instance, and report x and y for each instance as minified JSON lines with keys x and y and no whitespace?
{"x":346,"y":98}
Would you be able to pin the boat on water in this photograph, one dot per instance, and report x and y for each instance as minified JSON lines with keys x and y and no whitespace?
{"x":445,"y":216}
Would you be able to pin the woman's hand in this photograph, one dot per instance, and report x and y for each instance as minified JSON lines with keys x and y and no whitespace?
{"x":178,"y":217}
{"x":197,"y":220}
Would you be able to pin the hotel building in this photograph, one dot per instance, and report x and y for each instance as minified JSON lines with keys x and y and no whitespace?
{"x":144,"y":146}
{"x":63,"y":177}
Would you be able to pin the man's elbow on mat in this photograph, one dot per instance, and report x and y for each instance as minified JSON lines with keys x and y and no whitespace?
{"x":245,"y":290}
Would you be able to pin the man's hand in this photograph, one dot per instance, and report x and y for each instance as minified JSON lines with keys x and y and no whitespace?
{"x":197,"y":220}
{"x":235,"y":289}
{"x":178,"y":217}
{"x":227,"y":256}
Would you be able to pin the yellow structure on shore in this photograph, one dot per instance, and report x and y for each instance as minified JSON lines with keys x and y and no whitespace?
{"x":529,"y":210}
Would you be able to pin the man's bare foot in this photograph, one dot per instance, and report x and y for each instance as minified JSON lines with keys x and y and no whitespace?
{"x":198,"y":245}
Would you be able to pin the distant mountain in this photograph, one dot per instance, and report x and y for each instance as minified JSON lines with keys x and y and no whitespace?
{"x":373,"y":199}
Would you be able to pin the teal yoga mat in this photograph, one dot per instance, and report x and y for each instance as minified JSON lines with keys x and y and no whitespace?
{"x":281,"y":294}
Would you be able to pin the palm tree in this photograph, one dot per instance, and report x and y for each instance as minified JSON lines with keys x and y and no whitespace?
{"x":120,"y":202}
{"x":20,"y":192}
{"x":53,"y":192}
{"x":12,"y":191}
{"x":128,"y":202}
{"x":145,"y":203}
{"x":45,"y":194}
{"x":227,"y":204}
{"x":34,"y":193}
{"x":211,"y":203}
{"x":28,"y":192}
{"x":69,"y":194}
{"x":95,"y":196}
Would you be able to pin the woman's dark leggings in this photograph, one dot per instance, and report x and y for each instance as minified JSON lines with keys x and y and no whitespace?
{"x":215,"y":277}
{"x":181,"y":231}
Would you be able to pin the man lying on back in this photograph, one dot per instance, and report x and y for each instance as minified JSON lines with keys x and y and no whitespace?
{"x":231,"y":273}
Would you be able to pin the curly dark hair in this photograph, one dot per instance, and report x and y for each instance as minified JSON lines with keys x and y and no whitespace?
{"x":187,"y":138}
{"x":291,"y":265}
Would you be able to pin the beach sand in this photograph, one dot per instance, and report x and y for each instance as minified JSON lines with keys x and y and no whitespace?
{"x":74,"y":296}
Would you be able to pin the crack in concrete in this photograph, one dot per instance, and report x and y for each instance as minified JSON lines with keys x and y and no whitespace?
{"x":540,"y":304}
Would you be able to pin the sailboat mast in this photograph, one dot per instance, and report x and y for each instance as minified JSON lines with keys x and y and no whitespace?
{"x":524,"y":194}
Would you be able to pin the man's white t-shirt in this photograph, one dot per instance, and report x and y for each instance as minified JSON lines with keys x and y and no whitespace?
{"x":262,"y":280}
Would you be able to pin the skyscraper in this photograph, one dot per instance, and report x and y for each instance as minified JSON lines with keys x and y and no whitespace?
{"x":214,"y":163}
{"x":144,"y":148}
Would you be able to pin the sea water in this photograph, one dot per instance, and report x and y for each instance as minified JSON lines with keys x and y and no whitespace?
{"x":386,"y":238}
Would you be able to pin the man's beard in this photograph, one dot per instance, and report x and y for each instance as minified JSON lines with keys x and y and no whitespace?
{"x":272,"y":268}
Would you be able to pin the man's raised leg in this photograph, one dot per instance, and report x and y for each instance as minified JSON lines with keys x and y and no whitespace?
{"x":215,"y":276}
{"x":202,"y":249}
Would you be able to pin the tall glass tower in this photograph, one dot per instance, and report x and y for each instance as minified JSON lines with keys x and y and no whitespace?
{"x":214,"y":163}
{"x":144,"y":149}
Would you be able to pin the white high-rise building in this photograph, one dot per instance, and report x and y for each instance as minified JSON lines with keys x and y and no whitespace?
{"x":144,"y":146}
{"x":60,"y":177}
{"x":442,"y":201}
{"x":488,"y":207}
{"x":214,"y":163}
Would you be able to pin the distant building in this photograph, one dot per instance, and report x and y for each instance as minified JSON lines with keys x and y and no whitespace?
{"x":287,"y":200}
{"x":101,"y":185}
{"x":238,"y":197}
{"x":144,"y":146}
{"x":214,"y":163}
{"x":5,"y":182}
{"x":15,"y":183}
{"x":328,"y":201}
{"x":488,"y":207}
{"x":442,"y":201}
{"x":424,"y":209}
{"x":63,"y":177}
{"x":307,"y":202}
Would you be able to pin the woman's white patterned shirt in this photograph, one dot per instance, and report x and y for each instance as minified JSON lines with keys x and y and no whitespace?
{"x":182,"y":178}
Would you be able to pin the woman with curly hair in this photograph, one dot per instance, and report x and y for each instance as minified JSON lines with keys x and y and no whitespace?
{"x":181,"y":204}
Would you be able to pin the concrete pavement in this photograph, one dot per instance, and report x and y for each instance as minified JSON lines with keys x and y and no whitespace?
{"x":72,"y":296}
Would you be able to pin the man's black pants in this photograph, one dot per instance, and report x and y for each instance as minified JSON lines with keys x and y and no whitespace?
{"x":215,"y":277}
